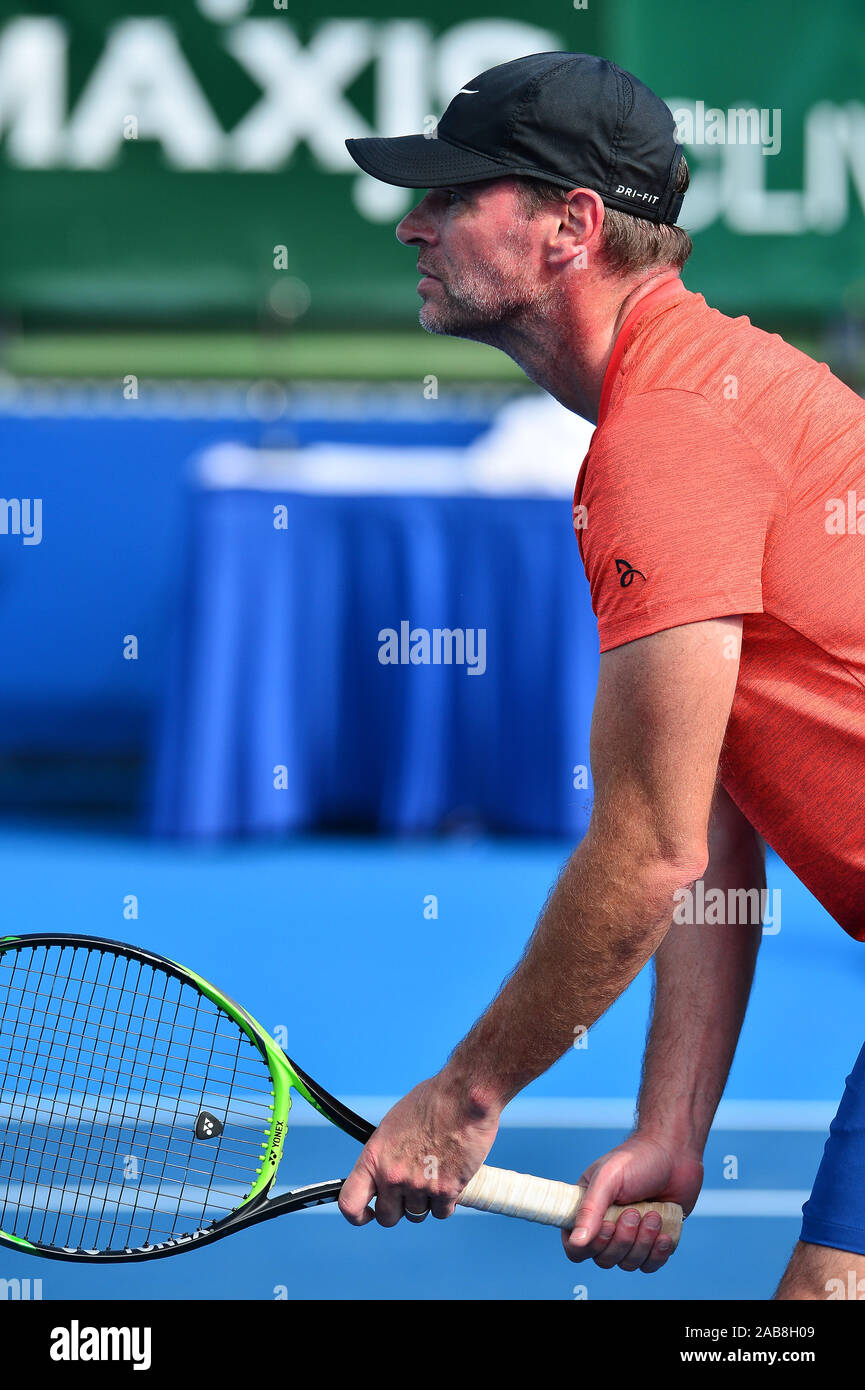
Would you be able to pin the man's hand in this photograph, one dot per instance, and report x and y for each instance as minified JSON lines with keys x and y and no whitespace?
{"x":421,"y":1156}
{"x":642,"y":1169}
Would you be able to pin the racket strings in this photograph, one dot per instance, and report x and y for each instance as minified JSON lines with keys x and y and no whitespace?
{"x":242,"y":1148}
{"x":106,"y":1061}
{"x":126,"y":990}
{"x":216,"y":1014}
{"x":81,"y":996}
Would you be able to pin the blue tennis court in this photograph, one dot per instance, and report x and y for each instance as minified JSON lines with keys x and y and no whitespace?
{"x":271,"y":509}
{"x":326,"y":942}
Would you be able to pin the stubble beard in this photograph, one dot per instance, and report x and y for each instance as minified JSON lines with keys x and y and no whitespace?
{"x":481,"y":303}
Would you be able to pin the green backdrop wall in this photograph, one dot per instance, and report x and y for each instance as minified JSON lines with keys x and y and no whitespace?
{"x":154,"y":153}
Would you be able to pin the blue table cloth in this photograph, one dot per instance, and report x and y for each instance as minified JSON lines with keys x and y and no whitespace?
{"x":277,"y":667}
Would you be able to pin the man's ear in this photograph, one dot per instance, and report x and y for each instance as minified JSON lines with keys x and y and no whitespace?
{"x":579,"y":228}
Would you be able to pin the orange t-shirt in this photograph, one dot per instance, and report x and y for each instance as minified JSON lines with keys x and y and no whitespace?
{"x":727,"y":476}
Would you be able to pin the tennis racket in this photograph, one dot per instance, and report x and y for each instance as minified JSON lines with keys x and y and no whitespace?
{"x":143,"y":1113}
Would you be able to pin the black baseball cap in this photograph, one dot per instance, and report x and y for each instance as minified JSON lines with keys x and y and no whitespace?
{"x":567,"y":118}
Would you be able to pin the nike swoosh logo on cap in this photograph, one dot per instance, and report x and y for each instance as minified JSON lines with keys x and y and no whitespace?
{"x":468,"y":91}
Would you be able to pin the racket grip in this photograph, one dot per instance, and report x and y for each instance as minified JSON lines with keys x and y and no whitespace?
{"x":551,"y":1203}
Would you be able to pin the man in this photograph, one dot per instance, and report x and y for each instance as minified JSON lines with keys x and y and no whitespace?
{"x":730,"y":597}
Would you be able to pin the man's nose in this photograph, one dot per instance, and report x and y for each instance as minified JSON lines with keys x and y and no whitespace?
{"x":416,"y":227}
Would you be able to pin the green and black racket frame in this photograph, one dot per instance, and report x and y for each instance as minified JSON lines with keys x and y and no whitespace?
{"x":144,"y":1113}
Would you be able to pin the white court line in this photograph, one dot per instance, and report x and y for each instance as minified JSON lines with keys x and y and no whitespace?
{"x":185,"y":1198}
{"x":714,"y":1201}
{"x":750,"y":1201}
{"x":566,"y":1112}
{"x":526,"y":1112}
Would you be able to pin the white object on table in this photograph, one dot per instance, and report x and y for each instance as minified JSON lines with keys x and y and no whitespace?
{"x":533,"y":448}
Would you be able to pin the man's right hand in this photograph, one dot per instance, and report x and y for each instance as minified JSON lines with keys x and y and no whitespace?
{"x":642,"y":1169}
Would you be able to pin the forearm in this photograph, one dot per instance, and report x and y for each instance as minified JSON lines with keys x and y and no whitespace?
{"x":703,"y":977}
{"x":608,"y":912}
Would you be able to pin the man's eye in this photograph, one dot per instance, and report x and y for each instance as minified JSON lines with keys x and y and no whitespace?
{"x":452,"y":196}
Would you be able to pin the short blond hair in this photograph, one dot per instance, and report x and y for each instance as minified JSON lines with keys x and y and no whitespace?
{"x":631,"y":245}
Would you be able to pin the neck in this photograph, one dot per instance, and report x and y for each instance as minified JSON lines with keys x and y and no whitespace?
{"x":567,"y":348}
